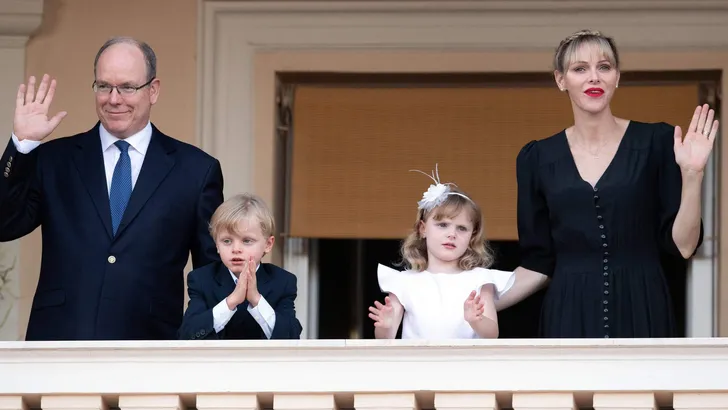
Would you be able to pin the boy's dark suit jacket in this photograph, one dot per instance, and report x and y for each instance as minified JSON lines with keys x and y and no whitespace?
{"x":209,"y":285}
{"x":93,"y":284}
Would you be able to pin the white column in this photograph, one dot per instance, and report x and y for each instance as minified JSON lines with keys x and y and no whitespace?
{"x":313,"y":289}
{"x":18,"y":19}
{"x":701,"y":306}
{"x":296,"y":261}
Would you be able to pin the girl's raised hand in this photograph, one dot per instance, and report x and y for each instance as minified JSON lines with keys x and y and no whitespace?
{"x":473,"y":308}
{"x":382,"y":315}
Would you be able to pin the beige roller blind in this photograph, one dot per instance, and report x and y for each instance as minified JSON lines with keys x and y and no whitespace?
{"x":353,"y":148}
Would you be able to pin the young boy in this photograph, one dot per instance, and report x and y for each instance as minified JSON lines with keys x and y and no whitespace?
{"x":240,"y":297}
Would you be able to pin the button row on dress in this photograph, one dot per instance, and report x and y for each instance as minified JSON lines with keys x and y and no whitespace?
{"x":605,"y":261}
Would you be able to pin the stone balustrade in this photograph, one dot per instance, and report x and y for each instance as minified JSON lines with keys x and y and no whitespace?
{"x":366,"y":374}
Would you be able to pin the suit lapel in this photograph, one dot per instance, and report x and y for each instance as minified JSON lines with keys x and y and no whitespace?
{"x":89,"y":161}
{"x":157,"y":164}
{"x":262,"y":277}
{"x":225,"y":283}
{"x":225,"y":286}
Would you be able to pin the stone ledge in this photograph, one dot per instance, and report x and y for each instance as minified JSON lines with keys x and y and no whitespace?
{"x":436,"y":6}
{"x":19,"y":19}
{"x":628,"y":366}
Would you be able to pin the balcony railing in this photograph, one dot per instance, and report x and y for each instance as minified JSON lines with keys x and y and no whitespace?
{"x":365,"y":374}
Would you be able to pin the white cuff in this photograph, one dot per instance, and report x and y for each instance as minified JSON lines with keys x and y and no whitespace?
{"x":24,"y":146}
{"x":264,"y":315}
{"x":221,"y":315}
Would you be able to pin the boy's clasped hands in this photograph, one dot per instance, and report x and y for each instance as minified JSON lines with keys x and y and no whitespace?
{"x":246,"y":288}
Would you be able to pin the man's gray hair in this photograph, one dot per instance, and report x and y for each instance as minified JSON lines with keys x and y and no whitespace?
{"x":149,"y":57}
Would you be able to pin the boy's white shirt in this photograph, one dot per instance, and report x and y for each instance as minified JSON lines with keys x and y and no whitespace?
{"x":263,"y":314}
{"x":139,"y":143}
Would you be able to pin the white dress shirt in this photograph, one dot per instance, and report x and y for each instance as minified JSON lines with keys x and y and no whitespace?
{"x":263,"y":313}
{"x":139,"y":143}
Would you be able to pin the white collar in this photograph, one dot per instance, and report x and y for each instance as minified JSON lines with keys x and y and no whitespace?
{"x":235,"y":280}
{"x":138,"y":141}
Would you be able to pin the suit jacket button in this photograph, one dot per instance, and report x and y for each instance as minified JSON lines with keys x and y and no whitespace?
{"x":203,"y":332}
{"x":112,"y":259}
{"x":5,"y":174}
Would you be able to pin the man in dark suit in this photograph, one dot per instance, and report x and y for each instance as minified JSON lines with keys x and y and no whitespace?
{"x":120,"y":206}
{"x":241,"y":297}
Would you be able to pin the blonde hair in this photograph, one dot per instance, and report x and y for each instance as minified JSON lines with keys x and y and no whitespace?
{"x":239,"y":208}
{"x":478,"y":254}
{"x":567,"y":49}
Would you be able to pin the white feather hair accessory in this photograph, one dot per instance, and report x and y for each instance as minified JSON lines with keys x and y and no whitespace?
{"x":437,"y":192}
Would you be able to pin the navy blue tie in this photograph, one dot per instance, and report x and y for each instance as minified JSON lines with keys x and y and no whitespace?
{"x":120,"y":185}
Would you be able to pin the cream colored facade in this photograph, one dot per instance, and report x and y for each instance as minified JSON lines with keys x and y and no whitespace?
{"x":219,"y":59}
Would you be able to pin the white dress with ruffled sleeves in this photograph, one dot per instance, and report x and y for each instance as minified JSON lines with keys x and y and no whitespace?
{"x":433,"y":302}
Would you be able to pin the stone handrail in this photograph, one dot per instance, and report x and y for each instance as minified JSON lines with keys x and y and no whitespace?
{"x":525,"y":374}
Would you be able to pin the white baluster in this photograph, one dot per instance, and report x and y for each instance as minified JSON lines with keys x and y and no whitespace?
{"x":13,"y":403}
{"x":385,"y":401}
{"x":700,"y":401}
{"x":303,"y":401}
{"x":228,"y":402}
{"x":624,"y":401}
{"x":90,"y":402}
{"x":466,"y":401}
{"x":544,"y":401}
{"x":151,"y":402}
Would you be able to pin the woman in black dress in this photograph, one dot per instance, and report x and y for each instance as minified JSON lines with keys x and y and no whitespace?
{"x":600,"y":200}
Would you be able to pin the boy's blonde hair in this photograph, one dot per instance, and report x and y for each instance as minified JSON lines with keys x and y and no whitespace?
{"x":241,"y":207}
{"x":478,"y":254}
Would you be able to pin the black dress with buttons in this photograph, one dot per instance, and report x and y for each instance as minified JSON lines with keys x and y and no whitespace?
{"x":601,"y":244}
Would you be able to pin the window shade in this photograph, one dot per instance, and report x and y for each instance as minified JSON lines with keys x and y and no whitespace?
{"x":353,"y":148}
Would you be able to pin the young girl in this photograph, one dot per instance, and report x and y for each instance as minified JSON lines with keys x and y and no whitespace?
{"x":446,"y":291}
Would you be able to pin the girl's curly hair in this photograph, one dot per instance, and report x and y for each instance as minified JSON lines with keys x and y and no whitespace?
{"x":478,"y":254}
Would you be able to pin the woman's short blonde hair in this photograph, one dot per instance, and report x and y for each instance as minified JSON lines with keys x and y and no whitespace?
{"x":478,"y":254}
{"x":566,"y":51}
{"x":240,"y":208}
